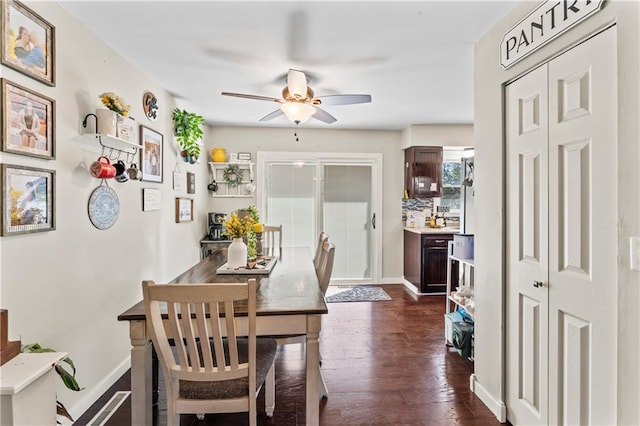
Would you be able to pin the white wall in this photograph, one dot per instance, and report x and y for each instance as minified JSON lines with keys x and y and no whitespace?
{"x":490,"y":197}
{"x":437,"y":135}
{"x":66,"y":287}
{"x":253,"y":139}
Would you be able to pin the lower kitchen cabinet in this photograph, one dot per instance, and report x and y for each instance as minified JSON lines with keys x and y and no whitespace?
{"x":425,"y":261}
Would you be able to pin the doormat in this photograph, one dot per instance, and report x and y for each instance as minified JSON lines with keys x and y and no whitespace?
{"x":356,"y":294}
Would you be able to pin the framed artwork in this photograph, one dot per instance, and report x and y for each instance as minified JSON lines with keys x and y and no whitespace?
{"x":28,"y":121}
{"x":244,"y":156}
{"x":177,"y":181}
{"x":151,"y":198}
{"x":27,"y":199}
{"x":184,"y":210}
{"x":191,"y":183}
{"x":151,"y":153}
{"x":28,"y":42}
{"x":126,"y":129}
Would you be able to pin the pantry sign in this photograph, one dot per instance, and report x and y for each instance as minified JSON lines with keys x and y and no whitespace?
{"x":543,"y":24}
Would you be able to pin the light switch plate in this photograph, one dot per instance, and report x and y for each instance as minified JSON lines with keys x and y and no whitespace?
{"x":634,"y":243}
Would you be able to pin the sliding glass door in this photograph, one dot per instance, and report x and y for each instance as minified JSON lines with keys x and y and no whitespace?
{"x":347,"y":216}
{"x":311,"y":192}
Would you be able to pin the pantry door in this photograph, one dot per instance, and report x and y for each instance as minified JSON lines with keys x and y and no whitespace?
{"x":583,"y":233}
{"x":562,"y":321}
{"x":527,"y":249}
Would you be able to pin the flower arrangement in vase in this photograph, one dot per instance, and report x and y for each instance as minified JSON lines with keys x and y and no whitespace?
{"x":237,"y":229}
{"x":115,"y":103}
{"x":108,"y":119}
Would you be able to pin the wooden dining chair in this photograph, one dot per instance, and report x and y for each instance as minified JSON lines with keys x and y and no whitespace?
{"x":270,"y":236}
{"x":317,"y":259}
{"x":326,"y":256}
{"x":326,"y":265}
{"x":223,"y":375}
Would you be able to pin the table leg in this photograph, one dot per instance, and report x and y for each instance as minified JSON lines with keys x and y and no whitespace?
{"x":141,"y":382}
{"x":313,"y":372}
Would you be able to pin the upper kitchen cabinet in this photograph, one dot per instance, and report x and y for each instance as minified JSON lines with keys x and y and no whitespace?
{"x":423,"y":171}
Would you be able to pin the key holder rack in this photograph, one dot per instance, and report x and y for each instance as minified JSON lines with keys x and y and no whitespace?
{"x":116,"y":147}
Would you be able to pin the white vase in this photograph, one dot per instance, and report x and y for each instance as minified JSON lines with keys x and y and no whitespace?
{"x":107,"y":122}
{"x":237,"y":254}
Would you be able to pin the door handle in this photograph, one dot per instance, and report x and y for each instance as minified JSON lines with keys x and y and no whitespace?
{"x":538,"y":284}
{"x":373,"y":221}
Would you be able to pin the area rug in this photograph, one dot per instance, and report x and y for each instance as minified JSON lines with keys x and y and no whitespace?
{"x":356,"y":294}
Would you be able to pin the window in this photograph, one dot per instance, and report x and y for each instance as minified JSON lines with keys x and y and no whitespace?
{"x":451,"y":184}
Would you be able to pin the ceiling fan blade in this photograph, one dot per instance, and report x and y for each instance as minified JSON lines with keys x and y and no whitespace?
{"x":272,"y":115}
{"x":297,"y":84}
{"x":256,"y":97}
{"x":342,"y":99}
{"x":324,"y":116}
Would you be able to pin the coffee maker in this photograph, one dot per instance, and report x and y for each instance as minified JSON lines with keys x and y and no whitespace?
{"x":216,"y":226}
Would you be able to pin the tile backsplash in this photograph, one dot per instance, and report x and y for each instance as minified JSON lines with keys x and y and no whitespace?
{"x":420,"y":204}
{"x":417,"y":204}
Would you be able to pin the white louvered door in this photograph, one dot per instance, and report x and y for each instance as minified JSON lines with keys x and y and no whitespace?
{"x":561,"y":335}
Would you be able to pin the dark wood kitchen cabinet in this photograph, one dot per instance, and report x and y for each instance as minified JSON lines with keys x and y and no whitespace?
{"x":423,"y":171}
{"x":425,"y":261}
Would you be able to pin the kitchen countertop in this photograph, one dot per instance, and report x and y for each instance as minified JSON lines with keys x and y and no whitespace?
{"x":427,"y":230}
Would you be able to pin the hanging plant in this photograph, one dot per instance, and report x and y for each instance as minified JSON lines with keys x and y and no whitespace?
{"x":232,"y":175}
{"x":188,"y":131}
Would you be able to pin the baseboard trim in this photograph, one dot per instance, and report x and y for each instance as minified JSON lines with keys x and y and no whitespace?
{"x":391,"y":280}
{"x":100,"y":389}
{"x":497,"y":407}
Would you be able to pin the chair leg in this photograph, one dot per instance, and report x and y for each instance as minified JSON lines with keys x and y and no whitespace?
{"x":270,"y":391}
{"x":324,"y":393}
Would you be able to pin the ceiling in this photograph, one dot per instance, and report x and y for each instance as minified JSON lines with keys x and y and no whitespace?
{"x":415,"y":58}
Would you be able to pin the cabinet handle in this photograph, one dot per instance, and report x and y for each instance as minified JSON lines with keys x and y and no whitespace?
{"x":373,"y":221}
{"x":538,"y":284}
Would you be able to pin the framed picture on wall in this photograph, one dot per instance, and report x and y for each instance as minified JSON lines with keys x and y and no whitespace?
{"x":191,"y":183}
{"x":28,"y":42}
{"x":184,"y":210}
{"x":28,"y":199}
{"x":151,"y":153}
{"x":28,"y":121}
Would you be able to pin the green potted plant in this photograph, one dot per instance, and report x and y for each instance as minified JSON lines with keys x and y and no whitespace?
{"x":68,"y":378}
{"x":188,"y":130}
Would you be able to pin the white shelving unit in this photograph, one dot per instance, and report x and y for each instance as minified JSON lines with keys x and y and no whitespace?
{"x":468,"y":269}
{"x":229,"y":191}
{"x":453,"y":300}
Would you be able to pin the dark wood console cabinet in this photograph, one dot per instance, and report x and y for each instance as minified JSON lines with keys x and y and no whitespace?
{"x":423,"y":171}
{"x":425,"y":261}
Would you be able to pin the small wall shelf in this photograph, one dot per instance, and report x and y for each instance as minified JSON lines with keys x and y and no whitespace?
{"x":112,"y":143}
{"x":229,"y":191}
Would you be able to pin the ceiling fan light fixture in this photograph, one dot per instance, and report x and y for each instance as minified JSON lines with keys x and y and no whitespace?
{"x":298,"y":112}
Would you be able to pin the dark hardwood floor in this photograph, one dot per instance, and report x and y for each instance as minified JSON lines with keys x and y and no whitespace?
{"x":385,"y":363}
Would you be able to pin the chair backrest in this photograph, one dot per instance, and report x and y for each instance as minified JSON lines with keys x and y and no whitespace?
{"x":326,"y":267}
{"x":270,"y":234}
{"x":317,"y":259}
{"x":187,"y":325}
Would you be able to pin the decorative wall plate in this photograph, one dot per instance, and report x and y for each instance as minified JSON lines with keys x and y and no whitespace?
{"x":104,"y":207}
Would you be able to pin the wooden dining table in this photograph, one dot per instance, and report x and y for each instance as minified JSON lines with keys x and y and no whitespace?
{"x":289,"y":303}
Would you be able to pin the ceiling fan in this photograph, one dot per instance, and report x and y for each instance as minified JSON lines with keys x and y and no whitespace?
{"x":299,"y":103}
